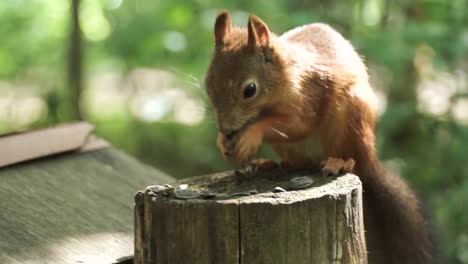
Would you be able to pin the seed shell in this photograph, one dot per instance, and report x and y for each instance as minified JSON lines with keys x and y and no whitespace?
{"x":300,"y":182}
{"x":186,"y":194}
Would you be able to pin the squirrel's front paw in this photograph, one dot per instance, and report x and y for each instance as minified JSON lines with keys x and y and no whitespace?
{"x":240,"y":147}
{"x":246,"y":147}
{"x":336,"y":166}
{"x":226,"y":145}
{"x":263,"y":164}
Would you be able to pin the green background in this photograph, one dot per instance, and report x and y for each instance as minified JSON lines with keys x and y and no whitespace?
{"x":144,"y":62}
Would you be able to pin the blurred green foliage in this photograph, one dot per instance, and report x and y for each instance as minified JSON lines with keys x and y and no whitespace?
{"x":416,"y":51}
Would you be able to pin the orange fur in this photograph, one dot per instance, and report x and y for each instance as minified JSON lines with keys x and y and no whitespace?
{"x":313,"y":101}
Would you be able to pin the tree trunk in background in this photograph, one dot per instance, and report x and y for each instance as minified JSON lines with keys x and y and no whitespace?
{"x":75,"y":62}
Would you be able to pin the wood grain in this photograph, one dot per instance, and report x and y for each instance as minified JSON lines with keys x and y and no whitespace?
{"x":321,"y":224}
{"x":72,"y":208}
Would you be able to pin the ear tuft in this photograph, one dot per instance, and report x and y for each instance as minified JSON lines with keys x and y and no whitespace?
{"x":259,"y":34}
{"x":222,"y":27}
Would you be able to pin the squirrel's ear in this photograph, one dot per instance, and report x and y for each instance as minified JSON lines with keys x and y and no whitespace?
{"x":259,"y":34}
{"x":222,"y":27}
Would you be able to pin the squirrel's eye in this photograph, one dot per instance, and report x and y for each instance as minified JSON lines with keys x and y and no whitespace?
{"x":250,"y":90}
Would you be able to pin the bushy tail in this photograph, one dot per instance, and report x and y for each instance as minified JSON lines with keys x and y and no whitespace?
{"x":396,"y":230}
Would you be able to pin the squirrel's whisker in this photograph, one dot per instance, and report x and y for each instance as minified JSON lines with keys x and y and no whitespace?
{"x":280,"y":133}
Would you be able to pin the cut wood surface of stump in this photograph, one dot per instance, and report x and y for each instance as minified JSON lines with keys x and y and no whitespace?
{"x":245,"y":217}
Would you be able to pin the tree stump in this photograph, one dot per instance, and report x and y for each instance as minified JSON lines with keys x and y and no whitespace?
{"x":243,"y":217}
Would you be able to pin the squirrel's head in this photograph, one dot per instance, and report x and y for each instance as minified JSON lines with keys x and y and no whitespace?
{"x":245,"y":74}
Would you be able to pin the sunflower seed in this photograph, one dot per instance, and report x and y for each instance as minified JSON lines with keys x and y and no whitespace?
{"x":208,"y":194}
{"x":300,"y":182}
{"x":186,"y":194}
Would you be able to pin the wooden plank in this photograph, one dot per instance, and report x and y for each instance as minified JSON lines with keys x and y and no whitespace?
{"x":28,"y":145}
{"x":71,"y":208}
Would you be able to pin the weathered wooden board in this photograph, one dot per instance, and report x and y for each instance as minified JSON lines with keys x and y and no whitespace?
{"x":320,"y":224}
{"x":72,"y":208}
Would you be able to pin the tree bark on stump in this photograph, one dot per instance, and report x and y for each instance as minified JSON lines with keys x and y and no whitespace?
{"x":247,"y":222}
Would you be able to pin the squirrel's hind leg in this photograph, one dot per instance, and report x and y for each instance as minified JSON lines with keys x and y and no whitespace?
{"x":336,"y":166}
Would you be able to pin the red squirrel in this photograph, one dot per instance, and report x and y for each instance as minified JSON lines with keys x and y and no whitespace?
{"x":307,"y":94}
